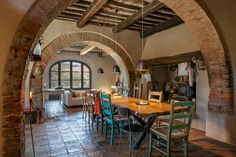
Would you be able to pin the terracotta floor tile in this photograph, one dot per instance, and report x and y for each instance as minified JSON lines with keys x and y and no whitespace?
{"x":66,"y":134}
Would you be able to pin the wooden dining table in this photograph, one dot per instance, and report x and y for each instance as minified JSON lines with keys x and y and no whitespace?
{"x":149,"y":111}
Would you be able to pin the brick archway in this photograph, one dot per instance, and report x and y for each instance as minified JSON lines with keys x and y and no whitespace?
{"x":66,"y":40}
{"x":69,"y":39}
{"x":214,"y":53}
{"x":36,"y":20}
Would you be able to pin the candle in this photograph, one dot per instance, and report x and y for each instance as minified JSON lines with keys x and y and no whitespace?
{"x":30,"y":95}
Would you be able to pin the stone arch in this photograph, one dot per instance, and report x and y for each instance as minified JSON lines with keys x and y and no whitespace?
{"x":36,"y":20}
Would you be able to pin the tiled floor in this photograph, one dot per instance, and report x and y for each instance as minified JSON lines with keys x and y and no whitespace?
{"x":66,"y":134}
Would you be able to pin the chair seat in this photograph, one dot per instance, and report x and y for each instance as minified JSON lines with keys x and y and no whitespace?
{"x":163,"y":132}
{"x":133,"y":128}
{"x":120,"y":118}
{"x":165,"y":121}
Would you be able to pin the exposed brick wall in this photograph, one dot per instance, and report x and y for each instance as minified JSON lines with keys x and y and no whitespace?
{"x":40,"y":15}
{"x":214,"y":53}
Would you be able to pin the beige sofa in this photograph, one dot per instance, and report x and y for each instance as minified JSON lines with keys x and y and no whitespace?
{"x":70,"y":101}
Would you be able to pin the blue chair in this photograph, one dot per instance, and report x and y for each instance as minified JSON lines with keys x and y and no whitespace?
{"x":109,"y":118}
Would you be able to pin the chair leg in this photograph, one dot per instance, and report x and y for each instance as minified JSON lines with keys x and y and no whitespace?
{"x":185,"y":143}
{"x":102,"y":124}
{"x":83,"y":112}
{"x":168,"y":148}
{"x":130,"y":142}
{"x":112,"y":134}
{"x":97,"y":121}
{"x":120,"y":136}
{"x":105,"y":130}
{"x":93,"y":118}
{"x":89,"y":117}
{"x":150,"y":145}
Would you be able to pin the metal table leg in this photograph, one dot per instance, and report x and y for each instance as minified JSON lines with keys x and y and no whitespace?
{"x":146,"y":125}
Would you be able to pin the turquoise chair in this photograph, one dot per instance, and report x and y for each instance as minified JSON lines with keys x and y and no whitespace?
{"x":109,"y":118}
{"x":177,"y":129}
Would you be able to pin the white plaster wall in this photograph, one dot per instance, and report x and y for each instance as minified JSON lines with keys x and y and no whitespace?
{"x":170,"y":42}
{"x":202,"y":92}
{"x":99,"y":81}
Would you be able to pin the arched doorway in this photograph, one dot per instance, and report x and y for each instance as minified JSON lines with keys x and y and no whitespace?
{"x":214,"y":53}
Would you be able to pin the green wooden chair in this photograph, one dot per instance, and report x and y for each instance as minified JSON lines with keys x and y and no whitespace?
{"x":109,"y":118}
{"x":164,"y":136}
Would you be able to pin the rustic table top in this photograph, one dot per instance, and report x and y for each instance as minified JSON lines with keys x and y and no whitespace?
{"x":151,"y":108}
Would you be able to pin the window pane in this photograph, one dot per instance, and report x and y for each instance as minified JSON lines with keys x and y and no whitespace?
{"x":86,"y":69}
{"x":76,"y":66}
{"x":77,"y":84}
{"x":55,"y":67}
{"x":65,"y":84}
{"x":54,"y":75}
{"x":54,"y":83}
{"x":76,"y":75}
{"x":86,"y":76}
{"x":65,"y":66}
{"x":86,"y":84}
{"x":65,"y":75}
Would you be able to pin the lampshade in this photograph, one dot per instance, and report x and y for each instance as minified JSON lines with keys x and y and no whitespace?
{"x":115,"y":69}
{"x":142,"y":66}
{"x":100,"y":71}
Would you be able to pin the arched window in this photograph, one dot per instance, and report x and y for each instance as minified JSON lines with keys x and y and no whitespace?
{"x":70,"y":75}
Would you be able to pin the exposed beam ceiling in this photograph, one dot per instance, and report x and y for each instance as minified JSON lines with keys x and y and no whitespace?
{"x":92,"y":10}
{"x":162,"y":26}
{"x":122,"y":14}
{"x":148,"y":9}
{"x":86,"y":49}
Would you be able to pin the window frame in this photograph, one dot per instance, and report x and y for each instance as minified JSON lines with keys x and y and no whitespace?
{"x":71,"y":74}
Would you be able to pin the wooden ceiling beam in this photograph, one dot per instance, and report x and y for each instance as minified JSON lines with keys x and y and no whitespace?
{"x":173,"y":59}
{"x":65,"y":19}
{"x":86,"y":49}
{"x":102,"y":22}
{"x":92,"y":10}
{"x":168,"y":12}
{"x":154,"y":19}
{"x":108,"y":19}
{"x":110,"y":14}
{"x":162,"y":26}
{"x":69,"y":15}
{"x":148,"y":9}
{"x":123,"y":6}
{"x":76,"y":8}
{"x":82,"y":4}
{"x":160,"y":15}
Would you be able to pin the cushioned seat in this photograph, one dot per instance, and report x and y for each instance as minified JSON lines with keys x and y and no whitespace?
{"x":71,"y":101}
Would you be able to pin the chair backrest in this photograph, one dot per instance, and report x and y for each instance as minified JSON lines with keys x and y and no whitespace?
{"x":137,"y":93}
{"x":155,"y":96}
{"x":84,"y":98}
{"x":106,"y":107}
{"x":90,"y":100}
{"x":184,"y":118}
